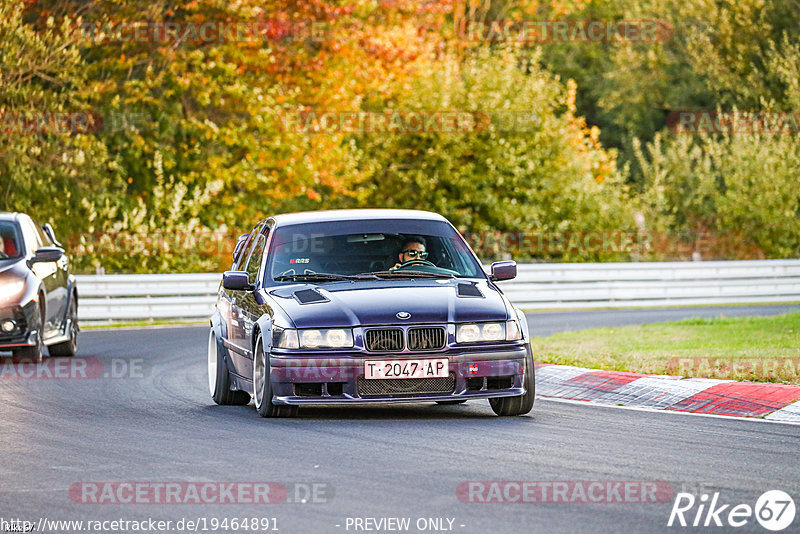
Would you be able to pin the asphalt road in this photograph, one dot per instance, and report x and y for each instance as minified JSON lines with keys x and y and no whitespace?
{"x":156,"y":423}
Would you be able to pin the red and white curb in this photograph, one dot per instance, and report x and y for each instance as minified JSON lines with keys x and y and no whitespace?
{"x":774,"y":402}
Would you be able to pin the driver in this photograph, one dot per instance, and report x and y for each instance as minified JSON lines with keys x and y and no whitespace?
{"x":413,"y":249}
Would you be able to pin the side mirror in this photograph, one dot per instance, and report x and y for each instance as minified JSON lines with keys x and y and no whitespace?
{"x":504,"y":270}
{"x":51,"y":234}
{"x":47,"y":254}
{"x":236,"y":281}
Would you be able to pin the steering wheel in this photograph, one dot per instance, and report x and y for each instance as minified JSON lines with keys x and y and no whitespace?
{"x":411,"y":263}
{"x":333,"y":266}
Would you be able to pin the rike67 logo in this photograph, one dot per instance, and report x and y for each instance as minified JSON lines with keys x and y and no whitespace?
{"x":774,"y":510}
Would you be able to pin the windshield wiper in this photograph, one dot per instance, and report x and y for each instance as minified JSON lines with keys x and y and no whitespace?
{"x":409,"y":274}
{"x":322,"y":277}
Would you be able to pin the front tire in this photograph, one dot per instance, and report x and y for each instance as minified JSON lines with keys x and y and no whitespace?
{"x":522,"y":404}
{"x":69,"y":347}
{"x":262,"y":387}
{"x":219,"y":381}
{"x":35,"y":353}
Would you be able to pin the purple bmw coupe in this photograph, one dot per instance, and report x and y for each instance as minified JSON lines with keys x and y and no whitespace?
{"x":365,"y":306}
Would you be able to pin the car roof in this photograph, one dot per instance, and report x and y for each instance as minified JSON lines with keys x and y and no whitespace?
{"x":9,"y":216}
{"x":354,"y":215}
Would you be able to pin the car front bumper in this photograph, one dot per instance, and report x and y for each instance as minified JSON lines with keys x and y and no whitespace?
{"x":339,"y":378}
{"x":20,"y":337}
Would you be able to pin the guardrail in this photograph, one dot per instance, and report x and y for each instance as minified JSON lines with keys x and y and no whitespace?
{"x":618,"y":285}
{"x":133,"y":297}
{"x":108,"y":298}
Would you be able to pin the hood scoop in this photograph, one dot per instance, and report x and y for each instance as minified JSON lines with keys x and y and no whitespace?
{"x":468,"y":290}
{"x":309,"y":296}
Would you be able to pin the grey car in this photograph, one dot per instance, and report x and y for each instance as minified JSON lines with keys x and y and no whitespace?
{"x":38,"y":295}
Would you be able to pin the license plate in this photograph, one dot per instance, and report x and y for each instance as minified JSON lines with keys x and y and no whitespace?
{"x":428,"y":368}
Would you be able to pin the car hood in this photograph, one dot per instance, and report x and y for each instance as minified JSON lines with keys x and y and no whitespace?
{"x":12,"y":270}
{"x":341,"y":304}
{"x":13,"y":267}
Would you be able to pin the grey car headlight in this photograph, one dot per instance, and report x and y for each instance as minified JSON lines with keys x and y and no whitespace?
{"x":315,"y":338}
{"x":482,"y":332}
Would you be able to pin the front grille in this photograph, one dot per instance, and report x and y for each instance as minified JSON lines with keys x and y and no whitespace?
{"x":475,"y":384}
{"x":335,"y":388}
{"x":384,"y":340}
{"x":311,"y":389}
{"x":405,"y":386}
{"x":499,"y":382}
{"x":433,"y":338}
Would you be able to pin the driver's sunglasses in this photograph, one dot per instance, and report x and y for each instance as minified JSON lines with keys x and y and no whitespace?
{"x":422,"y":255}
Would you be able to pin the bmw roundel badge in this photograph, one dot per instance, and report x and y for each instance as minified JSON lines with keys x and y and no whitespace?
{"x":403,"y":315}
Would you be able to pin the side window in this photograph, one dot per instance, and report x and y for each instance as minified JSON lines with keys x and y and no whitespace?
{"x":241,"y":260}
{"x":43,"y":237}
{"x":254,"y":261}
{"x":32,"y":240}
{"x":241,"y":243}
{"x":10,"y":246}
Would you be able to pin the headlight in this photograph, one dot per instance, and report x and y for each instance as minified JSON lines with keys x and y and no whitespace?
{"x":11,"y":288}
{"x":310,"y":339}
{"x":481,"y":332}
{"x":339,"y":338}
{"x":332,"y":338}
{"x":513,"y":333}
{"x":289,"y":340}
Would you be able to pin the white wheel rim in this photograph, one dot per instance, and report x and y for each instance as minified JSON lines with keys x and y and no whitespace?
{"x":73,"y":327}
{"x":212,"y":363}
{"x":259,"y":376}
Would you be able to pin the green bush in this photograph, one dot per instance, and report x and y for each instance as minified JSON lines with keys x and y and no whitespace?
{"x":737,"y":193}
{"x":536,"y":167}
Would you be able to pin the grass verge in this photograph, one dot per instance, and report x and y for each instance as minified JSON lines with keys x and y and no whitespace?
{"x":762,"y":349}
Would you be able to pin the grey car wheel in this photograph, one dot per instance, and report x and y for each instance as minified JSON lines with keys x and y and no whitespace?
{"x":34,"y":353}
{"x":262,"y":388}
{"x":219,"y":380}
{"x":69,"y":347}
{"x":521,"y":404}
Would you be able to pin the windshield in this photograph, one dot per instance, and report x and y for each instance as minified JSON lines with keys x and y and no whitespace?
{"x":385,"y":248}
{"x":9,"y":241}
